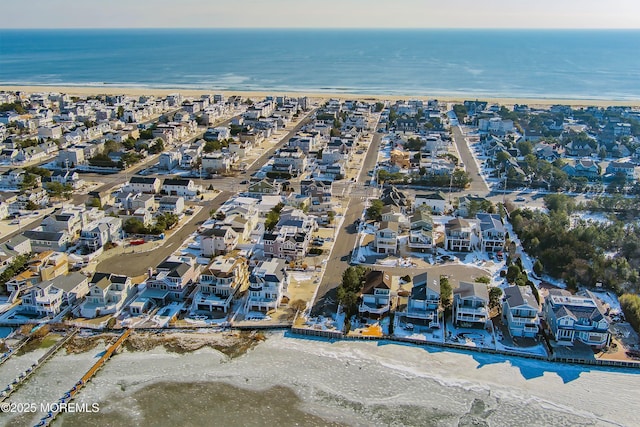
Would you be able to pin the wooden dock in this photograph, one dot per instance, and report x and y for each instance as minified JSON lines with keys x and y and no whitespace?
{"x":24,"y":376}
{"x":69,"y":395}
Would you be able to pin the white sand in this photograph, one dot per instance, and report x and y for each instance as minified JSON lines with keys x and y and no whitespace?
{"x":113,"y":90}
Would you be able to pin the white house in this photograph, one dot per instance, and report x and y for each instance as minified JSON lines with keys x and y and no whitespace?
{"x":386,"y":240}
{"x":436,"y":201}
{"x":171,"y":204}
{"x":180,"y":187}
{"x":267,"y":282}
{"x":140,"y":184}
{"x":49,"y":297}
{"x":107,"y":294}
{"x":97,"y":233}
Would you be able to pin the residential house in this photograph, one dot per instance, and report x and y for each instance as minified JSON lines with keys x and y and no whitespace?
{"x":172,"y":279}
{"x":220,"y":283}
{"x":169,"y":160}
{"x":386,"y":240}
{"x":171,"y":204}
{"x":140,"y":184}
{"x":265,"y":186}
{"x":180,"y":187}
{"x":49,"y":297}
{"x":627,"y":169}
{"x":471,"y":305}
{"x":570,"y":318}
{"x":436,"y":201}
{"x":424,"y":310}
{"x":583,"y":168}
{"x":468,"y":205}
{"x":392,"y":196}
{"x":421,"y":231}
{"x":400,"y":159}
{"x":492,"y":232}
{"x":461,"y":235}
{"x":520,"y":311}
{"x":218,"y":240}
{"x":218,"y":162}
{"x":107,"y":294}
{"x":267,"y":283}
{"x":46,"y":240}
{"x":376,"y":295}
{"x":98,"y":233}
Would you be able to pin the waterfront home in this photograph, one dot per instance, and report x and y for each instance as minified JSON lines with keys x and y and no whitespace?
{"x":436,"y":201}
{"x":45,"y":240}
{"x":172,"y":279}
{"x":267,"y":282}
{"x":218,"y":240}
{"x":386,"y":239}
{"x":141,"y":184}
{"x":220,"y":283}
{"x":107,"y":294}
{"x":421,"y":231}
{"x":179,"y":187}
{"x":98,"y":233}
{"x":376,"y":295}
{"x":424,"y":310}
{"x":492,"y":232}
{"x":171,"y":204}
{"x":48,"y":298}
{"x":570,"y":318}
{"x":471,"y":305}
{"x":461,"y":235}
{"x":520,"y":310}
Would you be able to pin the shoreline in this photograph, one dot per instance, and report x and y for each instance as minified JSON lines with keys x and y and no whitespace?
{"x":106,"y":89}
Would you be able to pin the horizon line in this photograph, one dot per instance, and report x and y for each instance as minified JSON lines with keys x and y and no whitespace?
{"x":337,"y":28}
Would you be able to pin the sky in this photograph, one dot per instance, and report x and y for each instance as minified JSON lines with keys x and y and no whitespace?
{"x":321,"y":14}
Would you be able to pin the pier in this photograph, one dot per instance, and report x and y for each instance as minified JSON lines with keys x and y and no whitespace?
{"x":69,"y":395}
{"x":24,"y":376}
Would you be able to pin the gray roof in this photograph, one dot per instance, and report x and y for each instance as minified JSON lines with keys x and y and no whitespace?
{"x":43,"y":235}
{"x":520,"y":295}
{"x":421,"y":283}
{"x":67,"y":282}
{"x":468,"y":290}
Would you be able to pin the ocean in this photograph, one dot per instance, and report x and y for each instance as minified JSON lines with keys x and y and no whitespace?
{"x":287,"y":381}
{"x":568,"y":64}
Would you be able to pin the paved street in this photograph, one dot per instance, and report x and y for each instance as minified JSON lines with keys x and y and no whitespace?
{"x":136,"y":264}
{"x":346,"y":239}
{"x":478,"y":185}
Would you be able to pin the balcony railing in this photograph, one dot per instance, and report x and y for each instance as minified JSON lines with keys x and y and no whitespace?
{"x":377,"y":309}
{"x":463,"y":318}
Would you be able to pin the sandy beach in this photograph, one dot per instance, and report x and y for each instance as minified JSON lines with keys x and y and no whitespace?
{"x":137,"y":91}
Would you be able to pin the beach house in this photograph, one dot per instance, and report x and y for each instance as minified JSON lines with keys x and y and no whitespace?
{"x":424,"y":310}
{"x":576,"y":318}
{"x":107,"y":293}
{"x":267,"y":282}
{"x":220,"y":282}
{"x":376,"y":295}
{"x":520,"y":311}
{"x":471,"y":305}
